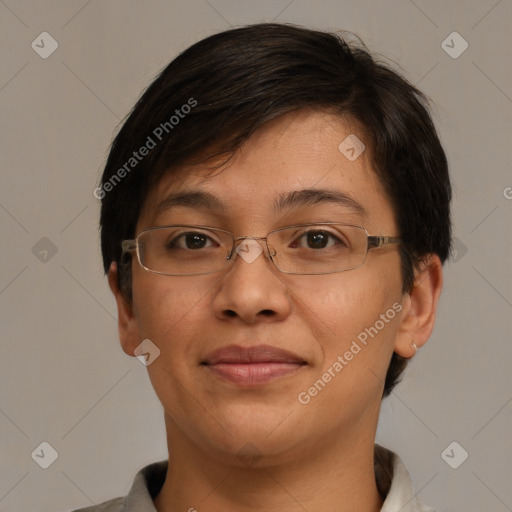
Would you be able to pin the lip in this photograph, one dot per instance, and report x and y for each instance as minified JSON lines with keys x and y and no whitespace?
{"x":254,"y":365}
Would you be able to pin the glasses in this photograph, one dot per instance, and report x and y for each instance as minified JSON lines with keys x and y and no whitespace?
{"x":303,"y":249}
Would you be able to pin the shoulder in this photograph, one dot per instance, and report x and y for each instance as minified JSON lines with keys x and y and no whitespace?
{"x":146,"y":485}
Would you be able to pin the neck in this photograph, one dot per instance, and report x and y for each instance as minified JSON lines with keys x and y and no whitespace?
{"x":337,"y":476}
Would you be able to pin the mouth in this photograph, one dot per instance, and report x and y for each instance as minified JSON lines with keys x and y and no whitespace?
{"x":250,"y":366}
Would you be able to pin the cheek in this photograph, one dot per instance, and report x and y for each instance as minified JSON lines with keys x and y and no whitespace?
{"x":174,"y":314}
{"x":357,"y":319}
{"x":168,"y":308}
{"x":346,"y":303}
{"x":355,"y":328}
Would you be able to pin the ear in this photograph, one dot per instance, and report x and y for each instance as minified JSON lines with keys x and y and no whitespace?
{"x":127,"y":325}
{"x":419,"y":307}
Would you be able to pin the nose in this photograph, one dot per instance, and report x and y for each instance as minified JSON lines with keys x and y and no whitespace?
{"x":252,"y":289}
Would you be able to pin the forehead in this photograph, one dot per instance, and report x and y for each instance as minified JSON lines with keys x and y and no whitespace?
{"x":302,"y":160}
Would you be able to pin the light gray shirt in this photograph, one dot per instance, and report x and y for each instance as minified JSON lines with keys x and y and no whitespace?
{"x":400,"y":496}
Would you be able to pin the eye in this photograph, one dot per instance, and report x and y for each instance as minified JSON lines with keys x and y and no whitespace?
{"x":318,"y":239}
{"x":192,"y":240}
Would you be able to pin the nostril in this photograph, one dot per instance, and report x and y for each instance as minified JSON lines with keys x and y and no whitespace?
{"x":229,"y":312}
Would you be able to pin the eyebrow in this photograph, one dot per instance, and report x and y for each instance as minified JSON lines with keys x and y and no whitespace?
{"x":313,"y":196}
{"x":295,"y":198}
{"x":202,"y":200}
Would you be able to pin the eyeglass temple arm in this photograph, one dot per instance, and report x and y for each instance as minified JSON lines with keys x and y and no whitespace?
{"x":380,"y":241}
{"x":128,"y":245}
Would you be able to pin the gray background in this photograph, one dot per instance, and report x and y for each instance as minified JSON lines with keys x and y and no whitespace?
{"x":63,"y":376}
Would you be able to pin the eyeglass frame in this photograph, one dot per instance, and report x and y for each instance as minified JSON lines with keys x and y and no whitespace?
{"x":373,"y":242}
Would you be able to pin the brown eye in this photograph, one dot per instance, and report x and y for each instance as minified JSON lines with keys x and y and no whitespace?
{"x":318,"y":239}
{"x":191,"y":241}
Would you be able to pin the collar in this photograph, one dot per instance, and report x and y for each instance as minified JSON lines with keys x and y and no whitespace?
{"x":393,"y":481}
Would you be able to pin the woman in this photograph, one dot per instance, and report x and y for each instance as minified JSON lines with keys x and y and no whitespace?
{"x":275,"y":215}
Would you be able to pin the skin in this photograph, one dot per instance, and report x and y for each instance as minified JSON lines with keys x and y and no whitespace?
{"x":317,"y":456}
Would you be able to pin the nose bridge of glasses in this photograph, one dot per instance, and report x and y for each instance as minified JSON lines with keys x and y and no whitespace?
{"x":250,"y":247}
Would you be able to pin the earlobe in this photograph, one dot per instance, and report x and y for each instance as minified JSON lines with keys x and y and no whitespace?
{"x":419,"y":312}
{"x":128,"y":327}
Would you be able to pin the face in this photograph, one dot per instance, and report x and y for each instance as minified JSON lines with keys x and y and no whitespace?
{"x":252,"y":356}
